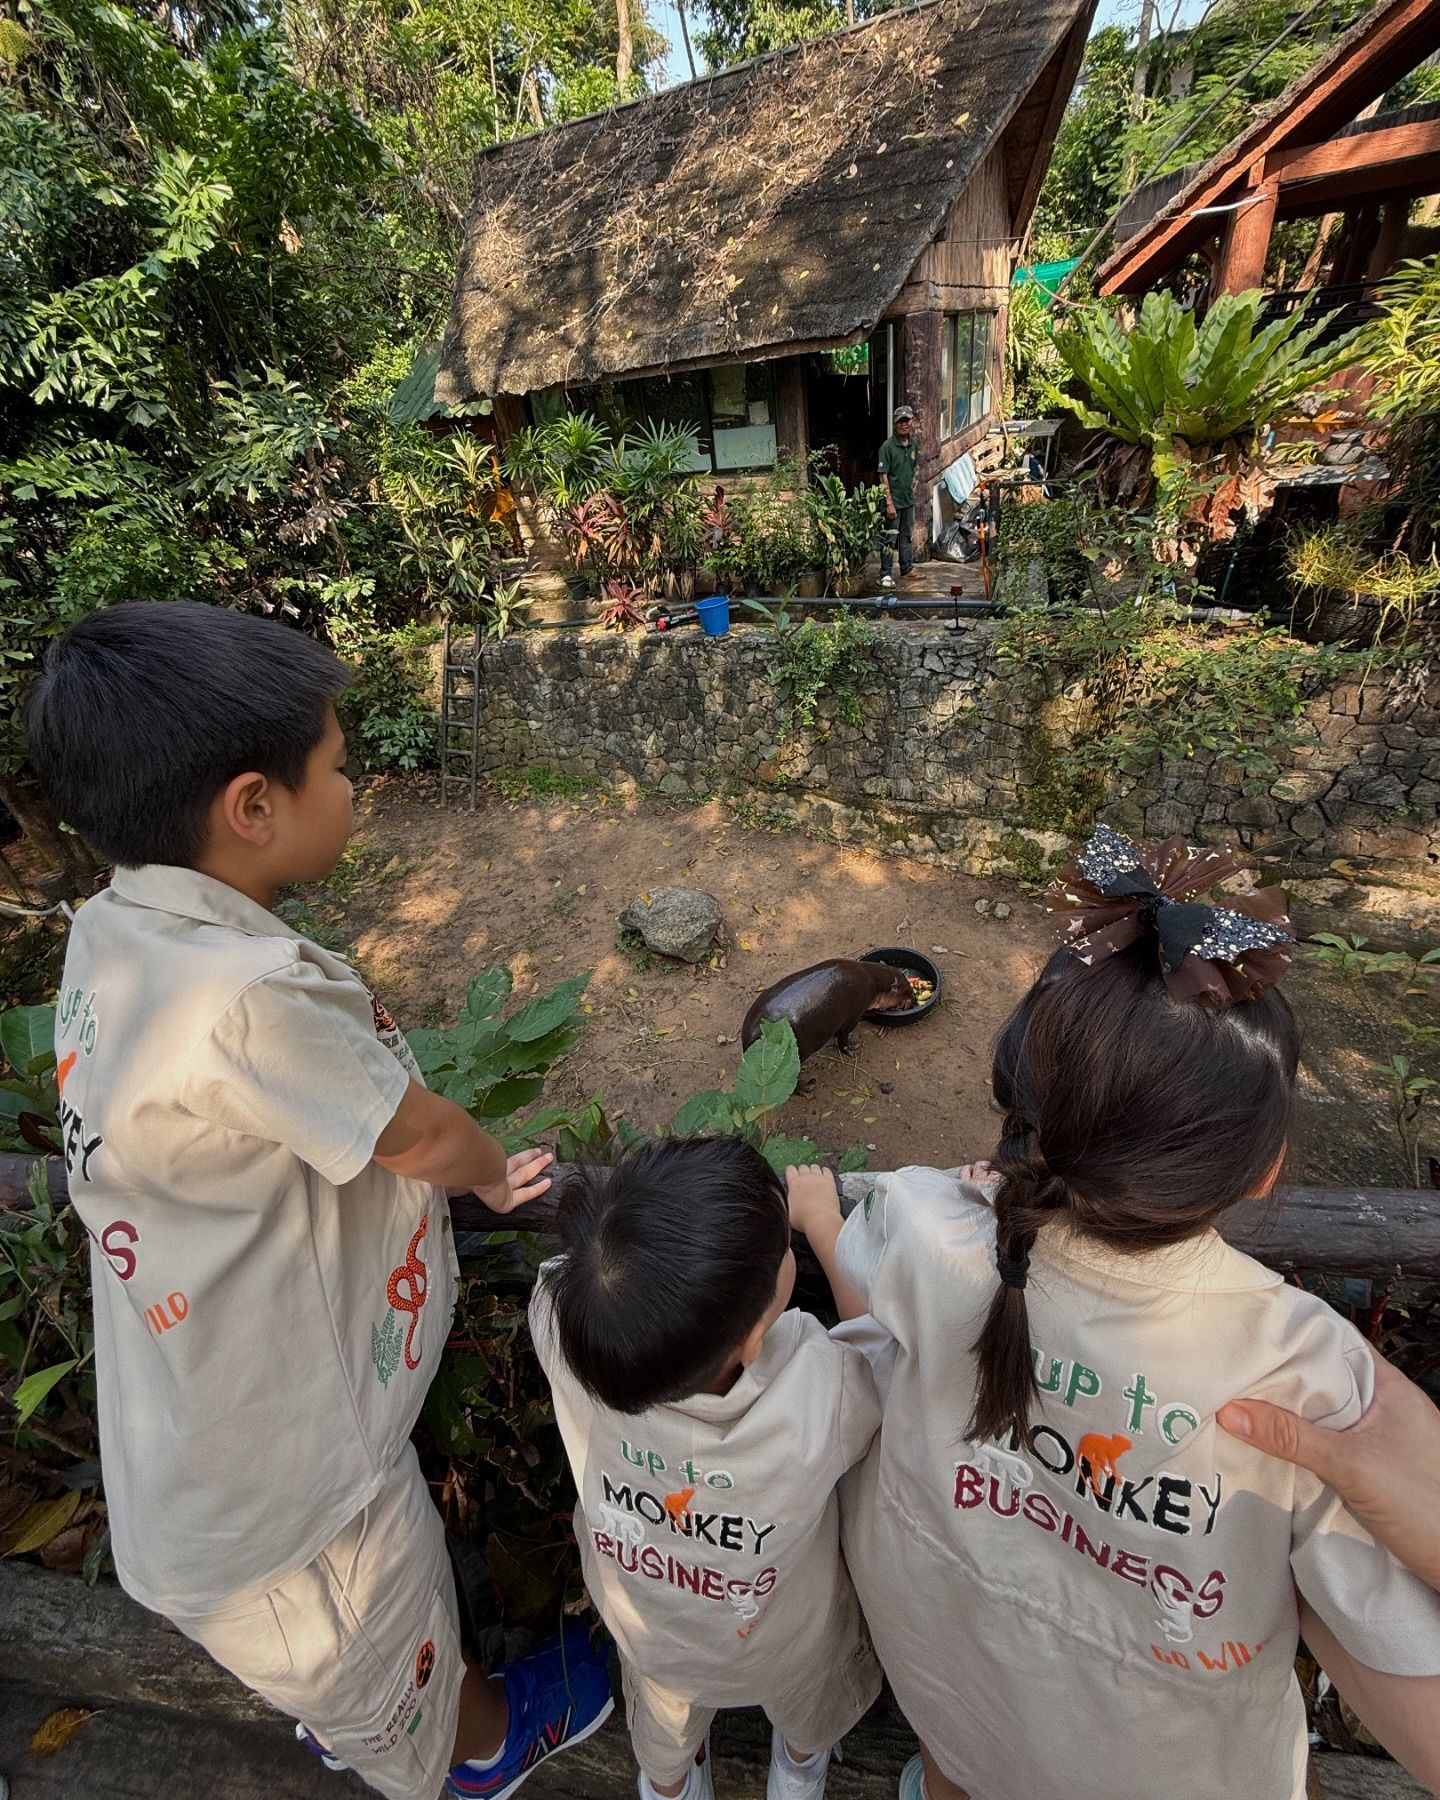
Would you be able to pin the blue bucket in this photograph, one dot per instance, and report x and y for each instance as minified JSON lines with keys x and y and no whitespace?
{"x":714,"y":615}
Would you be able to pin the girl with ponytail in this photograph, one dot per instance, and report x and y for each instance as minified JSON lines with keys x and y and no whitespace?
{"x":1079,"y":1587}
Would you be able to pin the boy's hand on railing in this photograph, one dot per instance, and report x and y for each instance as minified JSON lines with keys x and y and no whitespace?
{"x":814,"y":1198}
{"x":523,"y":1181}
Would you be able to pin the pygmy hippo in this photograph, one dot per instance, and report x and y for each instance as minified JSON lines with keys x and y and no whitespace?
{"x":827,"y":1000}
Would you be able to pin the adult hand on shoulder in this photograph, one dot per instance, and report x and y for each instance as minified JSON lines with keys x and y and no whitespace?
{"x":523,"y":1181}
{"x":1385,"y":1467}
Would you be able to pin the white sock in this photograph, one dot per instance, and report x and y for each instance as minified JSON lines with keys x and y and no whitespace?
{"x":803,"y":1768}
{"x":485,"y":1762}
{"x":688,"y":1792}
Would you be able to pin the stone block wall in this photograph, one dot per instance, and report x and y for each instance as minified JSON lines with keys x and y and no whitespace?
{"x":960,"y":757}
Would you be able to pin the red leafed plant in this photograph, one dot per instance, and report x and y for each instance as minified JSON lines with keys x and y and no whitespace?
{"x":623,"y":608}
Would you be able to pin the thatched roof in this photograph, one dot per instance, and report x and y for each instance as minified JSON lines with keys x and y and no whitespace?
{"x":777,"y":205}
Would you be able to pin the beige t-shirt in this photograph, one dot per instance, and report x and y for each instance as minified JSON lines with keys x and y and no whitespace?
{"x":709,"y":1528}
{"x":270,"y":1304}
{"x":1110,"y":1609}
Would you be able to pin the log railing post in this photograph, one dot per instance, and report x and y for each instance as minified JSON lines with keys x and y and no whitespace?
{"x":1381,"y":1233}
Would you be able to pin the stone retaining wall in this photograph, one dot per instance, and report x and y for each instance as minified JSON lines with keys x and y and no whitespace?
{"x":960,"y":757}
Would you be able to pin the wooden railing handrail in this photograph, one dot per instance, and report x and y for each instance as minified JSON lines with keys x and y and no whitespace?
{"x":1381,"y":1233}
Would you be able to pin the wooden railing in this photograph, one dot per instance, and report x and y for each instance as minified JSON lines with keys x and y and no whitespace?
{"x":1381,"y":1233}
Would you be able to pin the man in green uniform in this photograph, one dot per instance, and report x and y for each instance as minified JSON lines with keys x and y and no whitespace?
{"x":897,"y":476}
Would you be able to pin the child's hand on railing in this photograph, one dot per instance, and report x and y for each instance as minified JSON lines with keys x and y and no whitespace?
{"x":814,"y":1198}
{"x":523,"y":1181}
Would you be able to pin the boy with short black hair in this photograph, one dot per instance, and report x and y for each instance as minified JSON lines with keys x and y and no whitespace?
{"x":263,"y":1177}
{"x":707,"y":1427}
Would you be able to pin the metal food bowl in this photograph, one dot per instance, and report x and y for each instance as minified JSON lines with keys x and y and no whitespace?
{"x":913,"y":962}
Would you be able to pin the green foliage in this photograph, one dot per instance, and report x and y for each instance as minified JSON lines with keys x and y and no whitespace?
{"x":29,"y":1098}
{"x":1047,"y":532}
{"x":1085,"y":178}
{"x":1033,"y":370}
{"x":845,"y":525}
{"x":1401,"y":346}
{"x":1165,"y":689}
{"x":46,"y":1343}
{"x":387,"y":713}
{"x":816,"y":659}
{"x":495,"y":1067}
{"x":1167,"y":378}
{"x":1349,"y":957}
{"x":1335,"y":560}
{"x":764,"y":1081}
{"x":735,"y":29}
{"x":626,"y":506}
{"x":768,"y":538}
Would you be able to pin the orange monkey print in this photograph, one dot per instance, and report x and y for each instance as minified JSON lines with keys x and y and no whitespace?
{"x":1102,"y":1454}
{"x":678,"y":1506}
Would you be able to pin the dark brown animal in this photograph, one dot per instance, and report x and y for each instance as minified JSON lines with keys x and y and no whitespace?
{"x":827,"y":1001}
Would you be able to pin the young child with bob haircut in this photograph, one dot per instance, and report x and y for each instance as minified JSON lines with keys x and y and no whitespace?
{"x":263,"y":1177}
{"x":1078,"y":1586}
{"x":707,"y":1424}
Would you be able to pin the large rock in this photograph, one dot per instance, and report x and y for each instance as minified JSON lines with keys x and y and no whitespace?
{"x":680,"y":922}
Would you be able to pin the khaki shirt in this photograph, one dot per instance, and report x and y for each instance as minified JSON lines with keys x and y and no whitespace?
{"x":270,"y":1304}
{"x":709,"y":1528}
{"x":1109,"y":1610}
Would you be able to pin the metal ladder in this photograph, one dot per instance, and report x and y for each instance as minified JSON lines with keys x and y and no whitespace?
{"x":460,"y":714}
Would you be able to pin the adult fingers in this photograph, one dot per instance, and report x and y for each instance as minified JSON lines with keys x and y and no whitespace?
{"x":1282,"y":1434}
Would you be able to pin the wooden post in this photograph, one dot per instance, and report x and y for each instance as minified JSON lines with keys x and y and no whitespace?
{"x":1247,"y":242}
{"x":919,"y":387}
{"x":792,"y":436}
{"x":1394,"y":216}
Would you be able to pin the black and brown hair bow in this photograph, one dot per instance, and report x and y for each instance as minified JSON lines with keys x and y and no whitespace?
{"x":1116,"y":891}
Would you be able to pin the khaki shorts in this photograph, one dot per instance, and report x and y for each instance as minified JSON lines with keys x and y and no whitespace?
{"x":666,"y":1731}
{"x":362,"y":1645}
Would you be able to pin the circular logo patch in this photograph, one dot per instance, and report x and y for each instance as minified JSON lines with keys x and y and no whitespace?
{"x":424,"y":1662}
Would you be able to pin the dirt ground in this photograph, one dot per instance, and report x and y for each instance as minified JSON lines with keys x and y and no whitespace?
{"x":429,"y":897}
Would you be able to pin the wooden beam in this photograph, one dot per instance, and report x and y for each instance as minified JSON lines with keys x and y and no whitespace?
{"x":1366,"y":58}
{"x":1381,"y":1233}
{"x":1365,"y":151}
{"x":1068,"y":58}
{"x":1247,"y":242}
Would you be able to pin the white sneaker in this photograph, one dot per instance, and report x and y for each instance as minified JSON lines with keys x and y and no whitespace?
{"x":912,"y":1780}
{"x":887,"y":581}
{"x":789,"y":1780}
{"x":699,"y":1785}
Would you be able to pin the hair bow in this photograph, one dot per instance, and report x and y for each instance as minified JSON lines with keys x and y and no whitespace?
{"x":1115,"y":891}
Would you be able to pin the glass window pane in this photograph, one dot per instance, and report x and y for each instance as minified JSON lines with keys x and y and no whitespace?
{"x":961,"y":416}
{"x":947,"y":373}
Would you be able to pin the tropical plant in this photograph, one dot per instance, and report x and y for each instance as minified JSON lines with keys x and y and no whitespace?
{"x":767,"y":540}
{"x":813,"y":660}
{"x":1330,"y":560}
{"x":1033,"y":369}
{"x":494,"y":1067}
{"x":623,"y":605}
{"x":764,"y":1081}
{"x":845,"y":525}
{"x":29,"y":1098}
{"x":1172,"y":387}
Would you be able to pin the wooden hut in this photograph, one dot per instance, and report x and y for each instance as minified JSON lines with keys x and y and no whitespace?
{"x":780,"y":254}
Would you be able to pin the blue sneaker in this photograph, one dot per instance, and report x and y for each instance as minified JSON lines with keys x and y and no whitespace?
{"x":559,"y":1696}
{"x":316,"y":1748}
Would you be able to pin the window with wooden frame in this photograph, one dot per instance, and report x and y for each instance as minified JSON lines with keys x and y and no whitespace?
{"x":966,"y":391}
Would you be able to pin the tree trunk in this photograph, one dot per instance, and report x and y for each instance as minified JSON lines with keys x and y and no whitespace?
{"x":625,"y":51}
{"x":1137,"y":84}
{"x":685,"y":34}
{"x":68,"y":857}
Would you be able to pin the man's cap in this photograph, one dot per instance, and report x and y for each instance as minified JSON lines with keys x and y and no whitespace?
{"x":904,"y":412}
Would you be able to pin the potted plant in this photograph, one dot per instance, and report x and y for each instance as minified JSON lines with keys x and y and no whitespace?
{"x":846,"y":525}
